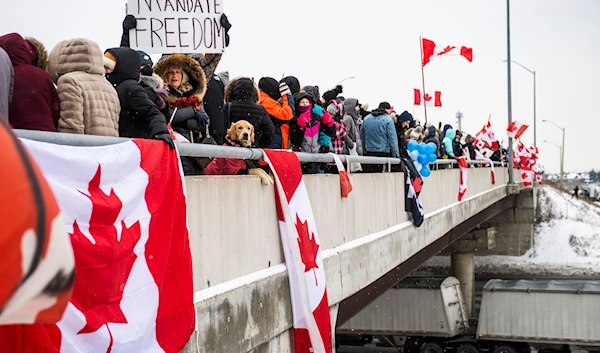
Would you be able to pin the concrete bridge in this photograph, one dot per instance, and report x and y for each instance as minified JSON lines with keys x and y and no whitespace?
{"x":241,"y":286}
{"x":242,"y":292}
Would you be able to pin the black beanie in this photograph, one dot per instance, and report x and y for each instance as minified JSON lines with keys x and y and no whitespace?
{"x":270,"y":86}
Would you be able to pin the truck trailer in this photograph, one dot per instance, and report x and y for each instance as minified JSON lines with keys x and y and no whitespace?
{"x":427,"y":315}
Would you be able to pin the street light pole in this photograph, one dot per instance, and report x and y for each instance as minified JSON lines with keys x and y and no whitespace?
{"x":560,"y":155}
{"x":534,"y":101}
{"x":562,"y":152}
{"x":511,"y":178}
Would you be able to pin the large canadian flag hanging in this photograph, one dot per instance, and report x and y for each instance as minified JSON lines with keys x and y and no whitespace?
{"x":429,"y":98}
{"x":125,"y":209}
{"x":515,"y":129}
{"x":432,"y":51}
{"x":302,"y":251}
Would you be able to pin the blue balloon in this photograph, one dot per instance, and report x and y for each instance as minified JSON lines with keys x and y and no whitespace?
{"x":422,"y":148}
{"x":414,"y":155}
{"x":425,"y":172}
{"x":422,"y":159}
{"x":413,"y":145}
{"x":432,"y":147}
{"x":431,"y":158}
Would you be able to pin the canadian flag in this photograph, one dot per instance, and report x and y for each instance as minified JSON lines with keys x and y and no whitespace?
{"x":432,"y":51}
{"x":429,"y":99}
{"x":480,"y":157}
{"x":302,"y":252}
{"x":486,"y":138}
{"x":515,"y":129}
{"x":124,"y":207}
{"x":462,"y":188}
{"x":527,"y":175}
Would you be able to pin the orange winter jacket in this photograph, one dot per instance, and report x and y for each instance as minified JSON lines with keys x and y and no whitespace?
{"x":280,"y":114}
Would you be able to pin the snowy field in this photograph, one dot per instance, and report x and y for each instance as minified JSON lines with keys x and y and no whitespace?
{"x":567,"y":242}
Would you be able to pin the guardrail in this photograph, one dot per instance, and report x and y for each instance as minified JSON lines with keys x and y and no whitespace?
{"x":214,"y":151}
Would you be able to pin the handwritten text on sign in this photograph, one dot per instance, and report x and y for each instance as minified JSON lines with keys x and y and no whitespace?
{"x":177,"y":26}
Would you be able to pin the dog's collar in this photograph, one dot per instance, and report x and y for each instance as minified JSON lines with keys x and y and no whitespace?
{"x":231,"y":143}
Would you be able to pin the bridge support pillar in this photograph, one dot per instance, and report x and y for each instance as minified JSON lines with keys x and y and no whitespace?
{"x":462,"y":263}
{"x":463,"y":269}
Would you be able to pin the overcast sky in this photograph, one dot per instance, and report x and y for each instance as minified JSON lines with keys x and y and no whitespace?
{"x":323,"y":41}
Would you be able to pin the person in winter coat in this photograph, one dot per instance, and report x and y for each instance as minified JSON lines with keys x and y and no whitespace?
{"x":242,"y":98}
{"x":89,"y":104}
{"x":470,"y":147}
{"x":458,"y":147}
{"x":186,"y":84}
{"x":403,"y":122}
{"x":305,"y":128}
{"x":139,"y":116}
{"x":431,"y":136}
{"x":6,"y":84}
{"x":351,"y":119}
{"x":449,"y":143}
{"x":280,"y":113}
{"x":35,"y":104}
{"x":379,"y":135}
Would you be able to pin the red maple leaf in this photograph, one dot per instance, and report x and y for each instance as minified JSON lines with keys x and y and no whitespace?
{"x":427,"y":97}
{"x":104,"y":264}
{"x":417,"y":184}
{"x":447,"y":49}
{"x":308,"y":247}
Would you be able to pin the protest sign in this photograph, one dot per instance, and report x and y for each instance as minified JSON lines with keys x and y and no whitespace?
{"x":177,"y":26}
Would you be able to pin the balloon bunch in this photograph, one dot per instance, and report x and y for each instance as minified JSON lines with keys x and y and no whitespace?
{"x":422,"y":154}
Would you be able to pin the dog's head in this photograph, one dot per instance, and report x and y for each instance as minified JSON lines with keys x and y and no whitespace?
{"x":242,"y":132}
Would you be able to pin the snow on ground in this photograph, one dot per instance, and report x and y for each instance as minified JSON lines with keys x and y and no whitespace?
{"x":567,"y":242}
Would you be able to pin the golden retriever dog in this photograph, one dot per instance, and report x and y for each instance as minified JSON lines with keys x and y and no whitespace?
{"x":240,"y":134}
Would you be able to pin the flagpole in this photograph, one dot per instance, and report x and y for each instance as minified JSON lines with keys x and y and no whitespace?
{"x":511,"y":179}
{"x":423,"y":79}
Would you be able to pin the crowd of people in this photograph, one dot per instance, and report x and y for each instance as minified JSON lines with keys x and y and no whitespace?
{"x":77,"y":88}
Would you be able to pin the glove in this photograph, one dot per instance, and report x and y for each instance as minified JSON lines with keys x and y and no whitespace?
{"x":284,"y":89}
{"x":304,"y":119}
{"x":166,"y":138}
{"x":203,"y":119}
{"x":129,"y":23}
{"x":227,"y":26}
{"x":327,"y":119}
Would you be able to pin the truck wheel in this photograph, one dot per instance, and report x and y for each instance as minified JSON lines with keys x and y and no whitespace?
{"x":505,"y":349}
{"x":432,"y":347}
{"x":468,"y":348}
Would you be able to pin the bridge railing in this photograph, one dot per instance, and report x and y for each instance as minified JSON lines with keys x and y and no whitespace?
{"x":205,"y":150}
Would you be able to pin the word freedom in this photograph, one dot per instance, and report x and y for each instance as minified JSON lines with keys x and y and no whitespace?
{"x":189,"y":6}
{"x":171,"y":32}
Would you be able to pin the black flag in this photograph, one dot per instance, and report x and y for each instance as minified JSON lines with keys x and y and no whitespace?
{"x":413,"y":183}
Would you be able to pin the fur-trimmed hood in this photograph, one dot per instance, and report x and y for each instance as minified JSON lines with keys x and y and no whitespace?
{"x":41,"y":54}
{"x":242,"y":89}
{"x":74,"y":55}
{"x":196,"y":84}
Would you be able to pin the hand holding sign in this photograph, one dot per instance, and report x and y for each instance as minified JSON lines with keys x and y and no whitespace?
{"x":178,"y":26}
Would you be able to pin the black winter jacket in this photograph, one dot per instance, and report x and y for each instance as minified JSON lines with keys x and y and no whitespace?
{"x":139,"y":117}
{"x":242,"y":97}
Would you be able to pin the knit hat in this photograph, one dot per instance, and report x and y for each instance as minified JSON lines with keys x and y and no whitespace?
{"x":416,"y":133}
{"x":270,"y":86}
{"x":292,"y":83}
{"x":109,"y":60}
{"x":384,"y":106}
{"x":405,"y":116}
{"x":146,"y":59}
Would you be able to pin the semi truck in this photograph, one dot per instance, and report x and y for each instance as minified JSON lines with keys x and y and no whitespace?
{"x":428,"y":315}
